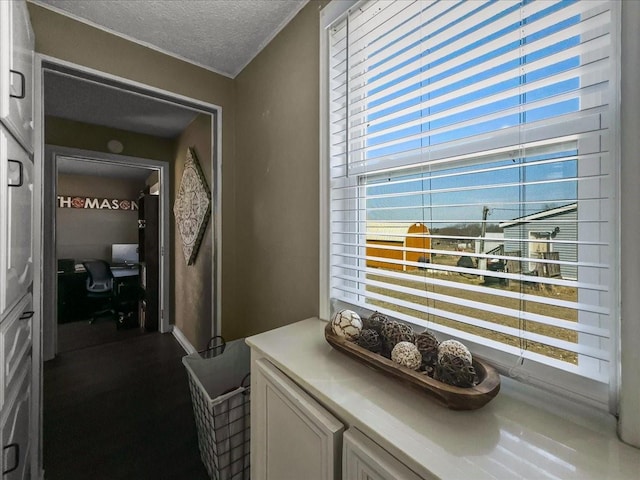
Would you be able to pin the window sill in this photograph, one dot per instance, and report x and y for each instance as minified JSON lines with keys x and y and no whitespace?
{"x":521,"y":433}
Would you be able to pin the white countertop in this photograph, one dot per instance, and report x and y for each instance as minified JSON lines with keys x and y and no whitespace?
{"x":516,"y":435}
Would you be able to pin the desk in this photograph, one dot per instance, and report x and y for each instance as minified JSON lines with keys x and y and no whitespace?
{"x":72,"y":291}
{"x":124,"y":272}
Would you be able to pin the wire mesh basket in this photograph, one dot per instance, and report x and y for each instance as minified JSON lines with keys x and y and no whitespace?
{"x":220,"y":394}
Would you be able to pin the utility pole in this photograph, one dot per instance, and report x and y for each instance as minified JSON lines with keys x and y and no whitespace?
{"x":482,"y":262}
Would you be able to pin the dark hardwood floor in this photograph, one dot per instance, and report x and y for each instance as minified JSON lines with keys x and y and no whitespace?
{"x":119,"y":408}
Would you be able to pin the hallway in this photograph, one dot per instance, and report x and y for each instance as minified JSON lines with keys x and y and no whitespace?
{"x":120,"y":410}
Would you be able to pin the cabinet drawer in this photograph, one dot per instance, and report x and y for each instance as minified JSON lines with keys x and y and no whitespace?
{"x":16,"y":217}
{"x":16,"y":444}
{"x":15,"y":343}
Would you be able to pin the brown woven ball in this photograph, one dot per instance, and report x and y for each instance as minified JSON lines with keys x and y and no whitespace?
{"x":394,"y":332}
{"x":455,"y":371}
{"x":370,"y":340}
{"x":375,"y":321}
{"x":427,"y":345}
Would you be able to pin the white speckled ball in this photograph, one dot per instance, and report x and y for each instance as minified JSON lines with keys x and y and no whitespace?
{"x":455,"y":348}
{"x":407,"y":354}
{"x":347,"y":324}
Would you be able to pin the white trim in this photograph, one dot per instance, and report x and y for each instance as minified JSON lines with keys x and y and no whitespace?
{"x":216,"y":254}
{"x":38,"y":260}
{"x":629,"y":386}
{"x":216,"y":113}
{"x":333,"y":11}
{"x":323,"y":254}
{"x":328,"y":15}
{"x":132,"y":86}
{"x":164,"y":207}
{"x":273,"y":35}
{"x":128,"y":38}
{"x":182,"y":340}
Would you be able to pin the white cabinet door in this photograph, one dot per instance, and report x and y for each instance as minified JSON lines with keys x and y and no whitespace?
{"x":14,"y":462}
{"x":363,"y":459}
{"x":15,"y":343}
{"x":17,"y":43}
{"x":292,"y":436}
{"x":16,"y":215}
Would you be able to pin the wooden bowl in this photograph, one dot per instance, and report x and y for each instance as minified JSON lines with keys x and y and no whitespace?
{"x":455,"y":398}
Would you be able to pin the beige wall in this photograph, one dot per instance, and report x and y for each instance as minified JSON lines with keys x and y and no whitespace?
{"x":192,"y":283}
{"x":278,"y":177}
{"x":66,"y":39}
{"x":88,"y":233}
{"x":67,"y":133}
{"x":269,"y":185}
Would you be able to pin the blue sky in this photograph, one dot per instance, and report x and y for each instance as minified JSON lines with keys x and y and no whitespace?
{"x":503,"y":201}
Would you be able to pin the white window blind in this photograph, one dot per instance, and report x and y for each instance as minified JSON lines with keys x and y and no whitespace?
{"x":471,"y":178}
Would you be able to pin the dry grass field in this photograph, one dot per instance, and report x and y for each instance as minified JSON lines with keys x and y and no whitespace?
{"x":486,"y":314}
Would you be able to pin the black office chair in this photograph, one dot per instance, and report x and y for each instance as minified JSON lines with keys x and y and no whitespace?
{"x":100,"y":288}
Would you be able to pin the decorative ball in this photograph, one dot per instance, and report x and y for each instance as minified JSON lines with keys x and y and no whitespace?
{"x":455,"y":348}
{"x":375,"y":321}
{"x":347,"y":324}
{"x":406,"y":354}
{"x":394,"y":332}
{"x":370,"y":340}
{"x":455,"y":371}
{"x":427,"y":345}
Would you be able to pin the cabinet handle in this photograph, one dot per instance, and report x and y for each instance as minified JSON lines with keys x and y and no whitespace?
{"x":20,"y":169}
{"x":27,"y":315}
{"x":22,"y":85}
{"x":16,"y":457}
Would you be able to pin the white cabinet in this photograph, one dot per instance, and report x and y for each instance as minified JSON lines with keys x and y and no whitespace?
{"x":15,"y":394}
{"x":295,"y":437}
{"x":15,"y":398}
{"x":17,"y":43}
{"x":15,"y":344}
{"x":16,"y":237}
{"x":16,"y":445}
{"x":363,"y":459}
{"x":16,"y":215}
{"x":292,"y":436}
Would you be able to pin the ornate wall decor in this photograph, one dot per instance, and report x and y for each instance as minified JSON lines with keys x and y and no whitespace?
{"x":192,"y":207}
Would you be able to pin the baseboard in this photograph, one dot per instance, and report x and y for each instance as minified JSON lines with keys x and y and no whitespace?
{"x":182,"y":340}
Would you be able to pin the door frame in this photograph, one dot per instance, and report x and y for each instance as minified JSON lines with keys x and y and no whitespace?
{"x":44,"y":62}
{"x":52,"y":154}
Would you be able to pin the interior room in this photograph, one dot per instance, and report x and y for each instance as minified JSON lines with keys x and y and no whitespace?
{"x":414,"y":223}
{"x":106,"y":234}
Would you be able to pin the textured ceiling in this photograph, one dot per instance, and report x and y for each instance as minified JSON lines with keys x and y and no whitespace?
{"x":88,"y":102}
{"x":220,"y":35}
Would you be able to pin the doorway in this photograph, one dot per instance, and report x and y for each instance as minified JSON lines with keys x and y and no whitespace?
{"x":97,"y":213}
{"x":141,"y":114}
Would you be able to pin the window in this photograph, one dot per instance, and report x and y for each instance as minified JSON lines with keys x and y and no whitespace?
{"x":470,"y":179}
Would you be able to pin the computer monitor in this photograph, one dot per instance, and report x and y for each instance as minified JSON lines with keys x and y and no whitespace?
{"x":124,"y":253}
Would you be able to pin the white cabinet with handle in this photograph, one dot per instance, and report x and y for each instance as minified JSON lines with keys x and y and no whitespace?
{"x":17,"y":312}
{"x":293,"y":436}
{"x":15,"y":464}
{"x":16,"y":217}
{"x":17,"y":43}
